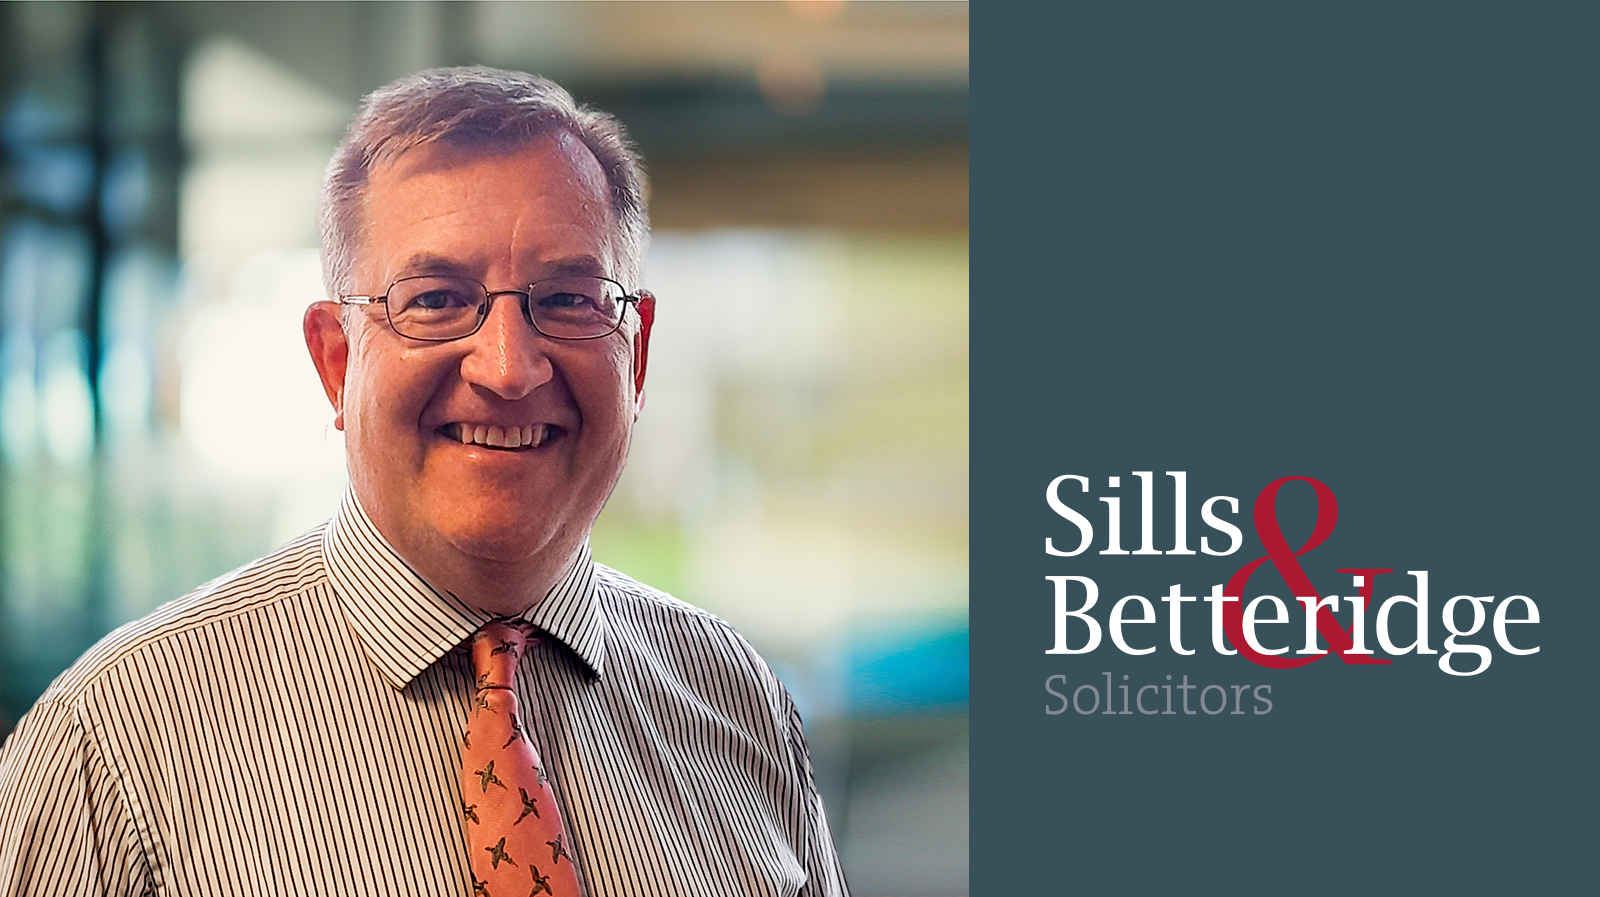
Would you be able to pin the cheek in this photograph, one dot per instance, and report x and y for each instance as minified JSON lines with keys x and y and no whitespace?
{"x":386,"y":389}
{"x":622,"y":370}
{"x":358,"y":374}
{"x":615,"y":379}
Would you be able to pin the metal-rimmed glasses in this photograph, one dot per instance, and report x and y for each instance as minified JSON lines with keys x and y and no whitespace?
{"x":441,"y":307}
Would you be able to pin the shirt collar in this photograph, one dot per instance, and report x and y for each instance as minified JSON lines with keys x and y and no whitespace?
{"x":404,"y":624}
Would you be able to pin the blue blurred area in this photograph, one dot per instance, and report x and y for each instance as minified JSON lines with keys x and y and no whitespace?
{"x":910,"y":668}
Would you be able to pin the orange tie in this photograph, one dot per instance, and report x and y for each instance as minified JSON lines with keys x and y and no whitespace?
{"x":514,"y":832}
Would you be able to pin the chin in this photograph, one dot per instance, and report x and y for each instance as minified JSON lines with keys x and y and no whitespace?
{"x":496,"y":541}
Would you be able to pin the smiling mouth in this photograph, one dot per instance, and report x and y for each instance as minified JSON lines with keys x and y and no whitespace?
{"x":512,"y":438}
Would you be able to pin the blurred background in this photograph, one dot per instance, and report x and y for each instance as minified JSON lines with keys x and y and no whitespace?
{"x":799,"y":469}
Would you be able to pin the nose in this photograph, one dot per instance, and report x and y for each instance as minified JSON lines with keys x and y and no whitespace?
{"x":506,"y":356}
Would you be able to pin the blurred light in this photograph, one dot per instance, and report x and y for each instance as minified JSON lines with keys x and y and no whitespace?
{"x":232,"y":91}
{"x":32,"y":118}
{"x":791,"y":81}
{"x":817,"y":10}
{"x":138,"y":283}
{"x":56,"y":178}
{"x":260,"y":134}
{"x":126,"y":195}
{"x":18,"y":399}
{"x":68,"y":406}
{"x":250,"y":401}
{"x":19,"y":273}
{"x":125,"y":388}
{"x":913,"y":665}
{"x":44,"y":275}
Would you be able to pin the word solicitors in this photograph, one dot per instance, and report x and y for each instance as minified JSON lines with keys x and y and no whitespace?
{"x":1234,"y":622}
{"x":1260,"y":705}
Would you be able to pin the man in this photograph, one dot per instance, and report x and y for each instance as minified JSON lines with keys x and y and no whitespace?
{"x":439,"y":692}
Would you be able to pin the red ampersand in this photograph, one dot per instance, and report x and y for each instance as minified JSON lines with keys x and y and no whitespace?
{"x":1266,"y":517}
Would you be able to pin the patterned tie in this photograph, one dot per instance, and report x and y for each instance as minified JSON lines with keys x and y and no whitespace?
{"x":514,"y":831}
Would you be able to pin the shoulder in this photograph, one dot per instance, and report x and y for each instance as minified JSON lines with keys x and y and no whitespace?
{"x":621,"y":594}
{"x":670,"y":635}
{"x":254,"y":588}
{"x":634,"y":607}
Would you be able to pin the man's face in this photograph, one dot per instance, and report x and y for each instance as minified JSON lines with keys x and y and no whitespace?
{"x":505,"y":219}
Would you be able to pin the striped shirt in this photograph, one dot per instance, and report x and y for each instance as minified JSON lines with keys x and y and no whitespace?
{"x":295,"y":727}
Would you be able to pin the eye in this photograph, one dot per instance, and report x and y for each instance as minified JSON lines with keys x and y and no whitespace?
{"x":433,"y":300}
{"x":574,"y":307}
{"x":442,"y":299}
{"x":565,"y":300}
{"x":434,"y":295}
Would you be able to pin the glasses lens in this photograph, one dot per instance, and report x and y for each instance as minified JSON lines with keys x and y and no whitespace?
{"x":435,"y":308}
{"x":576,"y":307}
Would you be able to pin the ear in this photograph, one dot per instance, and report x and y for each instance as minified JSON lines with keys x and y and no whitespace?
{"x":330,"y":352}
{"x":641,"y":343}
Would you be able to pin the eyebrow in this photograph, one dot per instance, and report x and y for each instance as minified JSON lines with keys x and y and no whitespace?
{"x":580,"y":264}
{"x":429,"y":263}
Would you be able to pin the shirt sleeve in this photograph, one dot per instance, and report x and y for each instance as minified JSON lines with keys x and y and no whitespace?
{"x":65,"y":826}
{"x":813,"y":840}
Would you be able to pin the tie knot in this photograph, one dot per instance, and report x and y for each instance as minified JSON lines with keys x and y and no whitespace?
{"x":496,"y":649}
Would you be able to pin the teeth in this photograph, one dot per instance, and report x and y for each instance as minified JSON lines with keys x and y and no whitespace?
{"x":502,"y":437}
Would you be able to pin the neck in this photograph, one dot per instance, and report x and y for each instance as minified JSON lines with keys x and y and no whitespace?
{"x":504,"y":596}
{"x":501,"y":588}
{"x":505,"y":585}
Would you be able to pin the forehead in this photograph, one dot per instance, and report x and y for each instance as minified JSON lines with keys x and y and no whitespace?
{"x":485,"y":210}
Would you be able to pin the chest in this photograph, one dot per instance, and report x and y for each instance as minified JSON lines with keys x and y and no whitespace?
{"x":332,"y":781}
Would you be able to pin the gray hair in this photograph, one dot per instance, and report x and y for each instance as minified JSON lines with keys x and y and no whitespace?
{"x":472,"y":107}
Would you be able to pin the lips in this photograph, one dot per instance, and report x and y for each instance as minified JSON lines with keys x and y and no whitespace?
{"x":530,"y":437}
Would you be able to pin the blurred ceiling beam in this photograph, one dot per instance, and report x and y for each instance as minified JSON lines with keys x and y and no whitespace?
{"x":832,"y":113}
{"x":924,"y":189}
